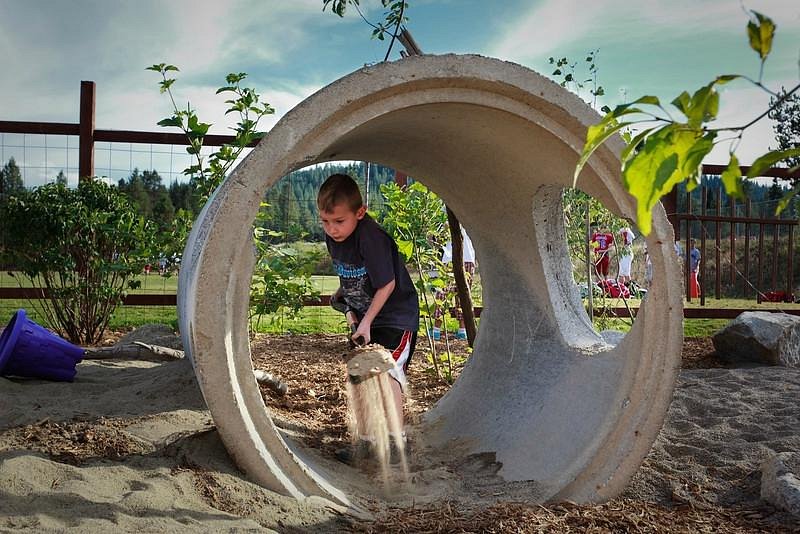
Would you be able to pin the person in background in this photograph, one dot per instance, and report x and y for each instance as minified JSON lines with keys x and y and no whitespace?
{"x":694,"y":268}
{"x":601,"y":242}
{"x":441,"y":295}
{"x":626,"y":255}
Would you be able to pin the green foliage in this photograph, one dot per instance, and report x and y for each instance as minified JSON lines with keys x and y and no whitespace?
{"x":570,"y":78}
{"x":245,"y":101}
{"x":282,"y":275}
{"x":82,"y":246}
{"x":393,"y":18}
{"x":281,"y":278}
{"x":150,"y":196}
{"x":668,"y":151}
{"x":416,"y":219}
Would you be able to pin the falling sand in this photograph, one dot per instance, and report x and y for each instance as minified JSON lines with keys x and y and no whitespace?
{"x":372,"y":412}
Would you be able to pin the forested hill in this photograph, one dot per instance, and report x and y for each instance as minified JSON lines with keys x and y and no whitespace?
{"x":292,"y":203}
{"x":293,"y":200}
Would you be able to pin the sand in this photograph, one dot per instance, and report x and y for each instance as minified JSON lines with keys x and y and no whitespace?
{"x":130,"y":447}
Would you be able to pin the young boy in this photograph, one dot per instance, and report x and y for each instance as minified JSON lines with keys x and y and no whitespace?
{"x":375,"y":287}
{"x":601,"y":241}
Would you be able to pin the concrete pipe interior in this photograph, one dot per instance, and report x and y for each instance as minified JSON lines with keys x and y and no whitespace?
{"x":543,"y":397}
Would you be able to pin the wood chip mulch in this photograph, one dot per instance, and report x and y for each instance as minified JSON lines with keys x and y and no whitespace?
{"x":315,"y":405}
{"x":616,"y":516}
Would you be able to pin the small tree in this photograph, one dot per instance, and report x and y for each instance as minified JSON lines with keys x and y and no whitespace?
{"x":673,"y":140}
{"x":81,"y":246}
{"x":785,"y":111}
{"x":416,"y":218}
{"x":10,"y":180}
{"x":281,"y":278}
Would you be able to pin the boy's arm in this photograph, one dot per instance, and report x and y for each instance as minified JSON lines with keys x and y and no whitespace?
{"x":378,"y":300}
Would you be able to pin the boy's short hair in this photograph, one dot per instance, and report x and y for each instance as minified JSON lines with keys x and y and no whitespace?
{"x":339,"y":189}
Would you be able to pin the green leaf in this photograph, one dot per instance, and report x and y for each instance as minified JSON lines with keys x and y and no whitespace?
{"x":406,"y":248}
{"x":770,"y":159}
{"x":656,"y":169}
{"x":683,"y":102}
{"x":704,"y":106}
{"x":627,"y":151}
{"x":761,"y":31}
{"x":696,"y":154}
{"x":166,"y":84}
{"x":725,"y":78}
{"x":732,"y":178}
{"x":171,"y":121}
{"x":787,"y":198}
{"x":596,"y":136}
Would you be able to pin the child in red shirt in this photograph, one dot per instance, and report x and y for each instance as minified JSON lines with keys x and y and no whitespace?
{"x":601,"y":241}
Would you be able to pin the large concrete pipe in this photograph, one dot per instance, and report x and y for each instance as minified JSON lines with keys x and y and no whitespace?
{"x":542,"y":392}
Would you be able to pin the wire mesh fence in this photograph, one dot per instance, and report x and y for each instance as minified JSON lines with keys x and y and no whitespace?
{"x":742,"y":255}
{"x":291,"y":205}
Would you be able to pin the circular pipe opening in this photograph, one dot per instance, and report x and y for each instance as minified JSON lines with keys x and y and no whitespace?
{"x":543,"y":399}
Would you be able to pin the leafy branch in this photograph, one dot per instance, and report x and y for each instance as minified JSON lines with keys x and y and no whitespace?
{"x":668,"y":151}
{"x":243,"y":100}
{"x":281,"y":276}
{"x":393,"y":20}
{"x":566,"y":70}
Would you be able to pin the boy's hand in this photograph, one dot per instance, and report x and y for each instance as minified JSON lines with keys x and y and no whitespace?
{"x":361,"y":334}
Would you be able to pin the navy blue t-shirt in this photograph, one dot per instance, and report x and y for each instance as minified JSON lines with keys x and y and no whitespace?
{"x":368,"y":260}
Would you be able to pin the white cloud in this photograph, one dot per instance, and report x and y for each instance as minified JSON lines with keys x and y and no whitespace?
{"x":552,"y":26}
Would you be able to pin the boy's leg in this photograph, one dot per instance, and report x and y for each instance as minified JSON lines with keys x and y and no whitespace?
{"x":401,"y":344}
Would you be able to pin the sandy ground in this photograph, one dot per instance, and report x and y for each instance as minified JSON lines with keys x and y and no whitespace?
{"x":129,"y":446}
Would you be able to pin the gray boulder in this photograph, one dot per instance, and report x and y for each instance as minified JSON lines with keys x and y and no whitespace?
{"x":779,"y":486}
{"x":760,"y":337}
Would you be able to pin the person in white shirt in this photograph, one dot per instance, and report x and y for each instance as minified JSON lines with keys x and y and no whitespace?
{"x":469,"y":272}
{"x":625,"y":255}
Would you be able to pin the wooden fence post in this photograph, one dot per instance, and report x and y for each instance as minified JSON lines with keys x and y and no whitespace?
{"x":86,"y":127}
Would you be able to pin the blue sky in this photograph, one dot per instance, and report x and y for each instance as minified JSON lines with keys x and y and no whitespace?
{"x":291,"y":48}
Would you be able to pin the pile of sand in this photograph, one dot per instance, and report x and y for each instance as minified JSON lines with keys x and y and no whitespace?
{"x":129,"y":446}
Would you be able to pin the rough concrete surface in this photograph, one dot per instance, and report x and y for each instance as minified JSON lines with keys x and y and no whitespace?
{"x":543,"y":395}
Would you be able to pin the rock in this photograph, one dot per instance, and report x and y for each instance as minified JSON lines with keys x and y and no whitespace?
{"x":760,"y":337}
{"x":779,"y":486}
{"x":153,"y":334}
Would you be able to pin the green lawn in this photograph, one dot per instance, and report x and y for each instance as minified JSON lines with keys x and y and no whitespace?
{"x":324,"y":319}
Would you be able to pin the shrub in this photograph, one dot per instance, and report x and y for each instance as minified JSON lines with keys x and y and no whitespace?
{"x":81,"y":246}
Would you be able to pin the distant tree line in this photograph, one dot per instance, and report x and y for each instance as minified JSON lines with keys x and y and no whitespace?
{"x":292,"y":209}
{"x":763,"y":198}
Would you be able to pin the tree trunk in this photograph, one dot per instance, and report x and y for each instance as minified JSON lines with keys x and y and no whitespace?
{"x":462,"y":288}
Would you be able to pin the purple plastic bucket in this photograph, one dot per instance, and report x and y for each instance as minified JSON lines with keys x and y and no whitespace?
{"x":29,"y":350}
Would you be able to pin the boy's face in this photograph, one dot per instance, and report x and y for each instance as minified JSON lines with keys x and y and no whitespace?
{"x":340,"y":222}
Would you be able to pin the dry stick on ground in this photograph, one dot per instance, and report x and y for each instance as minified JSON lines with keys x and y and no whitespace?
{"x":135,"y":350}
{"x":139,"y":350}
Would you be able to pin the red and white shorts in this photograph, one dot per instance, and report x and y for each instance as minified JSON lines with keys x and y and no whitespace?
{"x":401,"y":343}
